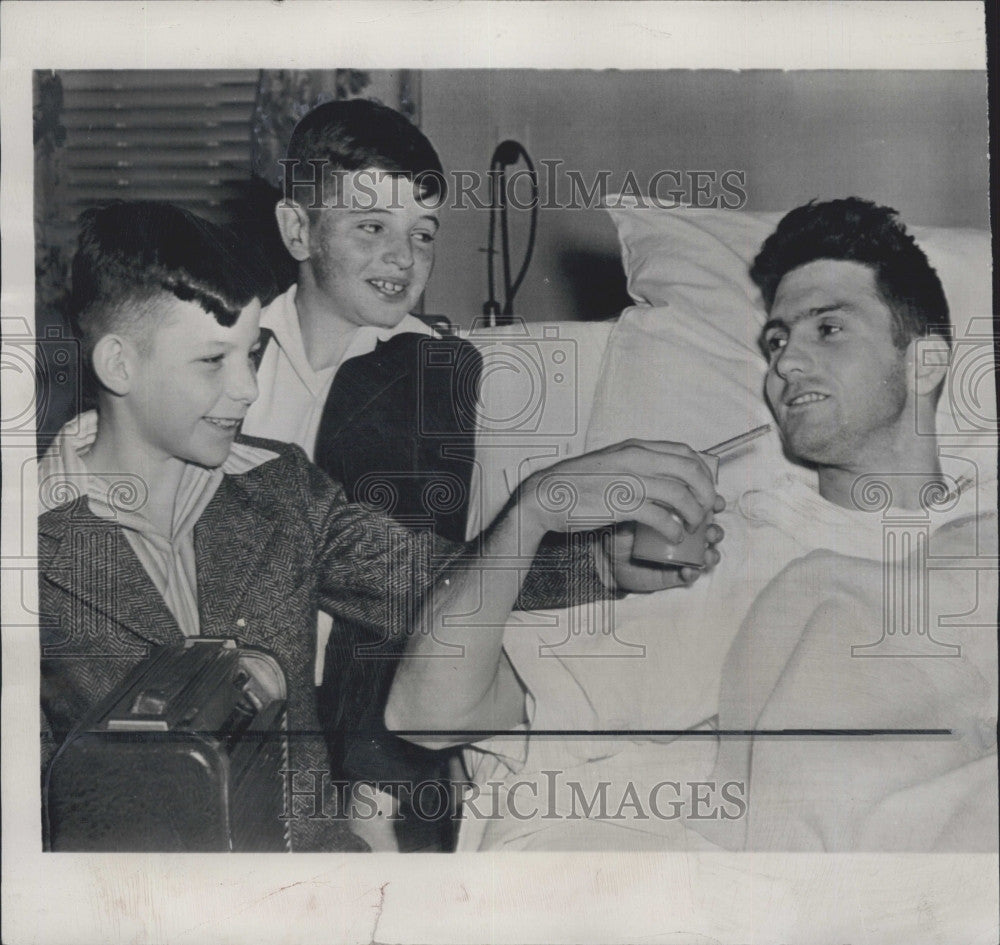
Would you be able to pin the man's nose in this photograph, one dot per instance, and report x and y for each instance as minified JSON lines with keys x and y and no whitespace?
{"x":793,"y":357}
{"x":399,"y":252}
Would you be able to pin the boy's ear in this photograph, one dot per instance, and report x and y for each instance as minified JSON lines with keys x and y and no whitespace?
{"x":114,"y":363}
{"x":929,"y":357}
{"x":295,"y":229}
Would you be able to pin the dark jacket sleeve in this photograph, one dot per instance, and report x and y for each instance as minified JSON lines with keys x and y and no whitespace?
{"x":398,"y":430}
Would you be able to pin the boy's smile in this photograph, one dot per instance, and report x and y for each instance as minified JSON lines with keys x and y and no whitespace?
{"x":372,"y":250}
{"x":191,"y":389}
{"x":224,"y":424}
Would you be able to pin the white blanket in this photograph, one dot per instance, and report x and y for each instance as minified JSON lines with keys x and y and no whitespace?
{"x":655,"y":662}
{"x":810,"y":656}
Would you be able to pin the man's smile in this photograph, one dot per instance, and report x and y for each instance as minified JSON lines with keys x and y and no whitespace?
{"x":801,"y":400}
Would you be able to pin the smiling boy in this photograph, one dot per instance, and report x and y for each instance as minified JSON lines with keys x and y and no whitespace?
{"x":342,"y":369}
{"x":342,"y":374}
{"x":160,"y":523}
{"x":368,"y":258}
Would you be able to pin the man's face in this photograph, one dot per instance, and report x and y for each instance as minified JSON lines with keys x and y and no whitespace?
{"x":372,"y":251}
{"x":194,"y":384}
{"x":836,"y":383}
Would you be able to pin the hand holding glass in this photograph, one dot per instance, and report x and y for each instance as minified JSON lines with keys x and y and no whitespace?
{"x":651,"y":545}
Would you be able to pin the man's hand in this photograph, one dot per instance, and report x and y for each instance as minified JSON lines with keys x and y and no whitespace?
{"x":617,"y":569}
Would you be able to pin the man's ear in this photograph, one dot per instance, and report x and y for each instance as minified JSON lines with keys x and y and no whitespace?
{"x":114,"y":363}
{"x":928,"y":359}
{"x":295,"y":229}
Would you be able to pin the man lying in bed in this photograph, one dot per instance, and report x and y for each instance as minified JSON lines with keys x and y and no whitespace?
{"x":872,"y":632}
{"x":857,"y":342}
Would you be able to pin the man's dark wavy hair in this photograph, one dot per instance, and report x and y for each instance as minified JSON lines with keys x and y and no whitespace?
{"x":357,"y":134}
{"x":132,"y":253}
{"x":859,"y":231}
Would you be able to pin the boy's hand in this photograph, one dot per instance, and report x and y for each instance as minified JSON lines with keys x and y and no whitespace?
{"x":620,"y":571}
{"x":665,"y":485}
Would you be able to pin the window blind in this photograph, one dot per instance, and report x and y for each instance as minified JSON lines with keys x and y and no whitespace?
{"x":182,"y":136}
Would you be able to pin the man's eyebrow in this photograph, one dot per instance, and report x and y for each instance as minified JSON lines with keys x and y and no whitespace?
{"x":814,"y":312}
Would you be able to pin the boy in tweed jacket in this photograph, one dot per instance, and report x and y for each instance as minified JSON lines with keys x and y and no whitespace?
{"x":159,"y":522}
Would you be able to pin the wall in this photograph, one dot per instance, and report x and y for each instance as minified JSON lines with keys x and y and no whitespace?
{"x":913,"y":140}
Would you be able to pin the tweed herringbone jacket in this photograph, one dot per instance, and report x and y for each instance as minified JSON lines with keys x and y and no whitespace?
{"x":273,"y":545}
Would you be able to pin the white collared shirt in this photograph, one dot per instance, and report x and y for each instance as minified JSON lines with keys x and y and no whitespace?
{"x":169,"y":560}
{"x":292,"y":395}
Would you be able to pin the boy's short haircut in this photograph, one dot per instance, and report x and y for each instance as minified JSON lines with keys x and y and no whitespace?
{"x":856,"y":230}
{"x":132,"y":253}
{"x":358,"y":134}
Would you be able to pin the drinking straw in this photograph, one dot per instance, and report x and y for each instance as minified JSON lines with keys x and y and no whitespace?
{"x":733,"y":443}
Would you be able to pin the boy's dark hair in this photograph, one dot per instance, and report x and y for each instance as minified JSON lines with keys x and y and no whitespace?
{"x":859,"y":231}
{"x":130,"y":253}
{"x":356,"y":134}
